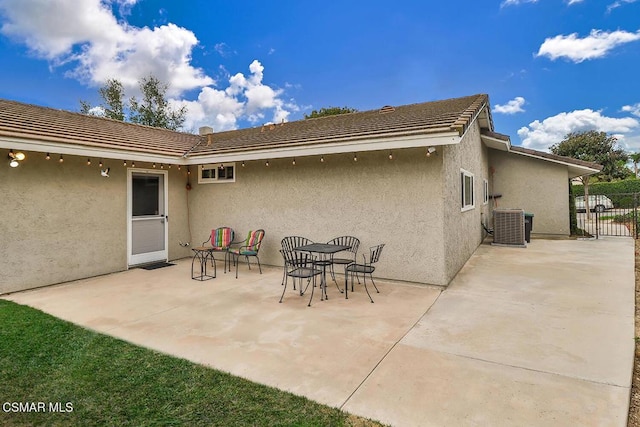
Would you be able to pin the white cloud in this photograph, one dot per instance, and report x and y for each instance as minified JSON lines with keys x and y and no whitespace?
{"x":540,"y":135}
{"x":246,"y":97}
{"x":596,"y":45}
{"x":633,"y":109}
{"x":86,"y":36}
{"x":572,"y":2}
{"x":516,"y":2}
{"x":512,"y":107}
{"x":619,"y":3}
{"x":93,"y":46}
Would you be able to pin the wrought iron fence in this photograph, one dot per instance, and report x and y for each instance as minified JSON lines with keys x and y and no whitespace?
{"x":620,"y":218}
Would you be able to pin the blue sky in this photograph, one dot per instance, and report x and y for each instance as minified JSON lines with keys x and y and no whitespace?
{"x":549,"y":66}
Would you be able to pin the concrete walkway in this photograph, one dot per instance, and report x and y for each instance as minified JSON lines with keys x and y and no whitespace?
{"x":536,"y":336}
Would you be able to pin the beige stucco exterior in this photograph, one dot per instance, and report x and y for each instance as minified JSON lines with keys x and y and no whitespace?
{"x":462,"y":230}
{"x":537,"y":186}
{"x":64,"y":221}
{"x":397,"y":202}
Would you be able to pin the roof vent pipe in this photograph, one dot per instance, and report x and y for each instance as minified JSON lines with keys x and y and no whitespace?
{"x":208,"y":132}
{"x":205,"y":130}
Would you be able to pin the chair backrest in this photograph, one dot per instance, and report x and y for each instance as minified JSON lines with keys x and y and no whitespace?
{"x":222,"y":237}
{"x":374,"y":253}
{"x":254,"y":240}
{"x":297,"y":259}
{"x":291,"y":242}
{"x":352,"y":242}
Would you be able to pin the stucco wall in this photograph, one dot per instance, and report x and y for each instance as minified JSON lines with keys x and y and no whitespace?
{"x":64,"y":221}
{"x":463,"y":231}
{"x":537,"y":186}
{"x":397,"y":202}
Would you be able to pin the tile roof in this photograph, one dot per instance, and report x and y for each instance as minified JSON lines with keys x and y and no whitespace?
{"x":37,"y":123}
{"x":40,"y":124}
{"x":555,"y":157}
{"x":539,"y":154}
{"x":452,"y":115}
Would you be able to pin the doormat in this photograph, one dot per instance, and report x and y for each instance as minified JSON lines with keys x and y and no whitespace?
{"x":156,"y":265}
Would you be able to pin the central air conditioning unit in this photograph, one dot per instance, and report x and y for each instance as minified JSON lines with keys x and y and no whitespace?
{"x":508,"y":228}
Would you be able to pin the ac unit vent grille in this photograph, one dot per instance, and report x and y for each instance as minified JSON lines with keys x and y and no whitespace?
{"x":508,"y":227}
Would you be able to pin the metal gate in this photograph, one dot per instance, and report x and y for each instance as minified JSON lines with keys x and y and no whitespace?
{"x":609,"y":215}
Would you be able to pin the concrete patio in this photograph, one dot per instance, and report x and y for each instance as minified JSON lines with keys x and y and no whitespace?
{"x":536,"y":336}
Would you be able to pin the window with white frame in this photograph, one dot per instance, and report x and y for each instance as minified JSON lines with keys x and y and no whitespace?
{"x":216,"y":173}
{"x":466,"y":181}
{"x":485,"y":192}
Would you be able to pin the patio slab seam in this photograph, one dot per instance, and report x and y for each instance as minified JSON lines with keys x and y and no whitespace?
{"x":384,"y":356}
{"x":551,"y":304}
{"x":541,"y":371}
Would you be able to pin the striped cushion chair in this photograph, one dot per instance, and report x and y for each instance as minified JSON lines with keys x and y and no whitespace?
{"x":251,"y":247}
{"x":221,"y":239}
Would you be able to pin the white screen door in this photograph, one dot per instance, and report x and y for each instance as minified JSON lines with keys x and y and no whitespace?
{"x":148,"y":220}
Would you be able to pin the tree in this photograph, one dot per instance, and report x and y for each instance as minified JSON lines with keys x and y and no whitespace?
{"x":596,"y":147}
{"x":330,"y":111}
{"x":153,"y":110}
{"x":112,"y":94}
{"x":635,"y":158}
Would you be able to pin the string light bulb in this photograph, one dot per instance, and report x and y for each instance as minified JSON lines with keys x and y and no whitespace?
{"x":321,"y":159}
{"x":47,"y":157}
{"x":293,"y":162}
{"x":100,"y":164}
{"x":161,"y":165}
{"x":179,"y":167}
{"x":154,"y":165}
{"x":355,"y":157}
{"x":390,"y":155}
{"x":124,"y":163}
{"x":61,"y":159}
{"x":88,"y":162}
{"x":243,"y":163}
{"x":133,"y":164}
{"x":267,"y":163}
{"x":188,"y":170}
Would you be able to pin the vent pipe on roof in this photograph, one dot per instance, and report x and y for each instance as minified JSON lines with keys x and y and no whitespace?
{"x":205,"y":130}
{"x":208,"y":132}
{"x":387,"y":109}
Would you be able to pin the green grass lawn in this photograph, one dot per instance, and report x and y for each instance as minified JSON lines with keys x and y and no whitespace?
{"x":100,"y":380}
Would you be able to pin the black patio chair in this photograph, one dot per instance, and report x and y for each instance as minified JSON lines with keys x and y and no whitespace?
{"x":300,"y":265}
{"x":367,"y":267}
{"x":345,"y":257}
{"x":288,"y":244}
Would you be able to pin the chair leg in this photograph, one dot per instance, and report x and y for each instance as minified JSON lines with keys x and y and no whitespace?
{"x":284,"y":290}
{"x":346,"y":284}
{"x":259,"y":266}
{"x":236,"y":261}
{"x":312,"y":289}
{"x":374,"y":283}
{"x":364,"y":279}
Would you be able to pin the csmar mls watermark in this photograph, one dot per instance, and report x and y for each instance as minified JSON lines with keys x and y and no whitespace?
{"x":25,"y":407}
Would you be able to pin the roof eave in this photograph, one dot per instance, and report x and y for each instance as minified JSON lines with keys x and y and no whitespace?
{"x":41,"y":146}
{"x":338,"y":147}
{"x":503,"y":143}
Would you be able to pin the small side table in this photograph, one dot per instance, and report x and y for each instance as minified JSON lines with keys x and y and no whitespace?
{"x":202,"y":255}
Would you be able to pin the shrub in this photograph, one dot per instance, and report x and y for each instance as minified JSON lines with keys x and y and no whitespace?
{"x":620,"y":192}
